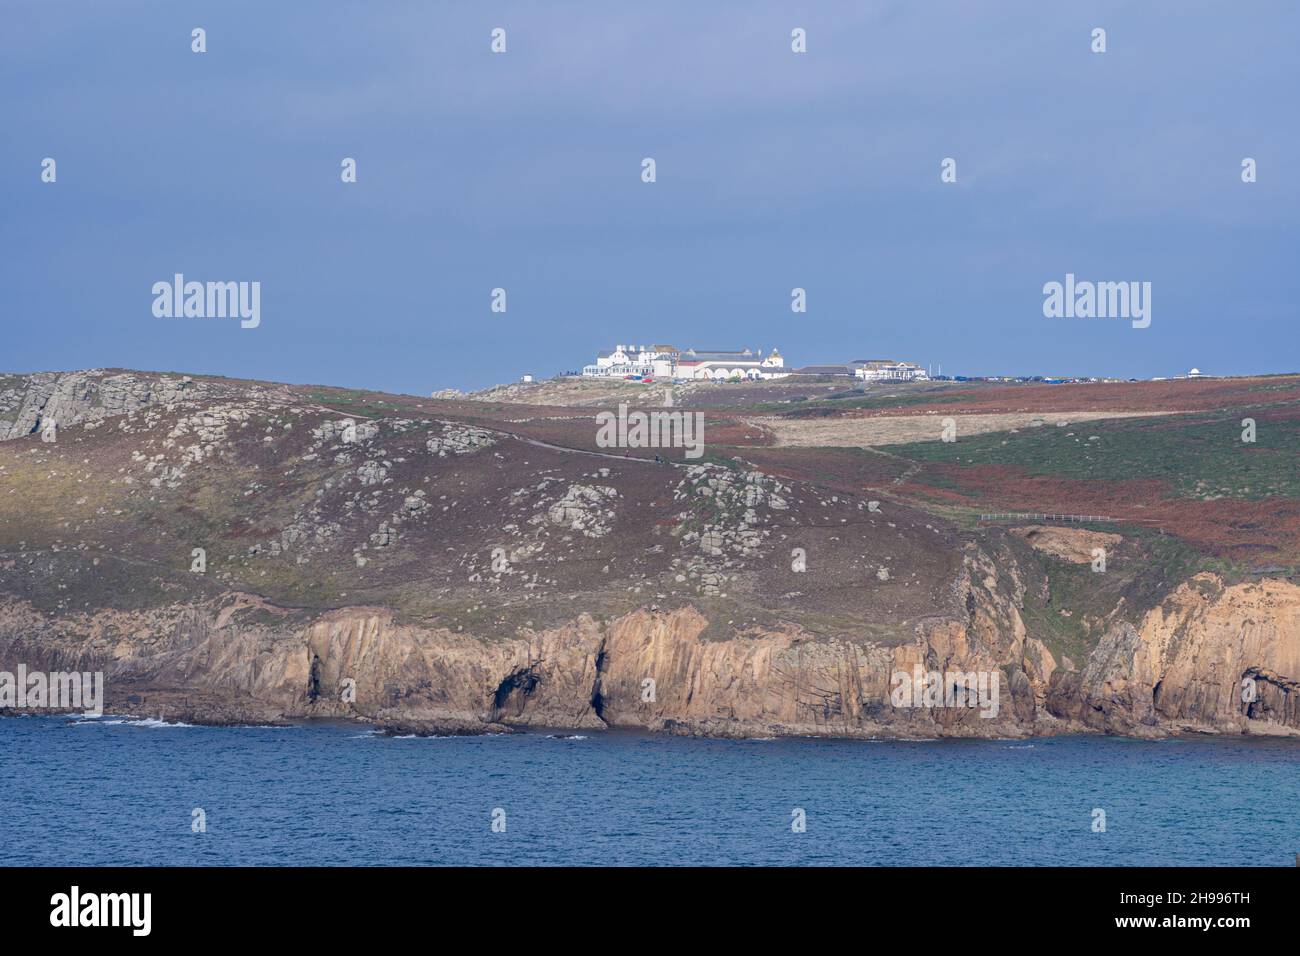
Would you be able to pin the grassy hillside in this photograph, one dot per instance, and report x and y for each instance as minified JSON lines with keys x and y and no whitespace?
{"x":1198,"y":457}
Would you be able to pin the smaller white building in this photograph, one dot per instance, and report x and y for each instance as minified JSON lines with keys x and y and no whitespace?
{"x":888,"y":370}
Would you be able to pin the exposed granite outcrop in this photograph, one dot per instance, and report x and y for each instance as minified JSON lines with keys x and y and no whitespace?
{"x":1208,"y":658}
{"x":69,"y":398}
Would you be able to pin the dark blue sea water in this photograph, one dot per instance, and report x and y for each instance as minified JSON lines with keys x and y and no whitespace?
{"x":114,"y":791}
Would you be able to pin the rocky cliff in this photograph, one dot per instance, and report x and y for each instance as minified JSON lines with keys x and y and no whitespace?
{"x":239,"y":552}
{"x":1210,"y":658}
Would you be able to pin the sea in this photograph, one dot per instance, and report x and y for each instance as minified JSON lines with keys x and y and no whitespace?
{"x":129,"y":791}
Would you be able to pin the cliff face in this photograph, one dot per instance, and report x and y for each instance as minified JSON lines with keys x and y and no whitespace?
{"x":238,"y":659}
{"x":1208,"y":658}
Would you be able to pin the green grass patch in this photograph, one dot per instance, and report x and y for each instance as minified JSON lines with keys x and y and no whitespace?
{"x":1140,"y":573}
{"x":1198,"y":459}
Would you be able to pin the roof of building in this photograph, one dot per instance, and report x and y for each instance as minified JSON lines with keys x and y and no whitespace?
{"x":823,"y":370}
{"x":724,"y":355}
{"x":689,"y":356}
{"x":738,"y":362}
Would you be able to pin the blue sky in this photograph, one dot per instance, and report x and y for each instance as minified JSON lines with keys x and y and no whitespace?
{"x":522,"y":170}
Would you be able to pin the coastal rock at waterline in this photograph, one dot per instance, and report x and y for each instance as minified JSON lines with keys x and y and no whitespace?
{"x":1181,"y":669}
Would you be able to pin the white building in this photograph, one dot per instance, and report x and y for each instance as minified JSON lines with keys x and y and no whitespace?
{"x":1194,"y":373}
{"x":722,"y":365}
{"x":888,"y":370}
{"x":665,"y":361}
{"x":656,"y":361}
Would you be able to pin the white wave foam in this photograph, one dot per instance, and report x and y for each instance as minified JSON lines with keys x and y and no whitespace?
{"x":156,"y":722}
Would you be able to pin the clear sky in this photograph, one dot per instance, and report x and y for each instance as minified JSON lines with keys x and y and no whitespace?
{"x":522,"y":170}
